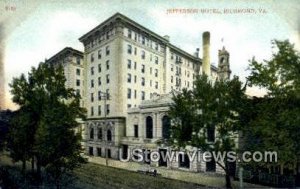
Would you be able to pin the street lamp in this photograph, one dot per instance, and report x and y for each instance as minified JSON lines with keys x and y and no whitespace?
{"x":105,"y":95}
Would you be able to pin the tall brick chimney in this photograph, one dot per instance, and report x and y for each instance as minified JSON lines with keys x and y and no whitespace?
{"x":206,"y":53}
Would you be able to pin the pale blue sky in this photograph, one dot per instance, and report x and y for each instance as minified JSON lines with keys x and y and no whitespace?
{"x":38,"y":29}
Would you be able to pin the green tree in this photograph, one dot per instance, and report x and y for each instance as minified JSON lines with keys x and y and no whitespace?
{"x":208,"y":106}
{"x":45,"y":128}
{"x":276,"y":122}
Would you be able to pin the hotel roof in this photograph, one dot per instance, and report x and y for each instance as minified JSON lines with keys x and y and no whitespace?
{"x":137,"y":25}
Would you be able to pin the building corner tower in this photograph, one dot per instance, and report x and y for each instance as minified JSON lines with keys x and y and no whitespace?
{"x":224,"y":65}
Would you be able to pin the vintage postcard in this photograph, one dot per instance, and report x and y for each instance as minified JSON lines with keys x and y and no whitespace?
{"x":149,"y":94}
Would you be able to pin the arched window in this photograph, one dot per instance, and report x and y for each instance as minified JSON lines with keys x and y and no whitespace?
{"x":92,"y":133}
{"x":149,"y":127}
{"x":100,"y":133}
{"x":166,"y":124}
{"x":108,"y":135}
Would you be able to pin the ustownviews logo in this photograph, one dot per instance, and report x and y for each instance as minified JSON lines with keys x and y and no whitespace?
{"x":142,"y":155}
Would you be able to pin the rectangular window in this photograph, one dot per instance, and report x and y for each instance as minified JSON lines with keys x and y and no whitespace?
{"x":135,"y":79}
{"x":99,"y":110}
{"x":156,"y":60}
{"x":143,"y":55}
{"x":143,"y":95}
{"x":129,"y":49}
{"x":156,"y":46}
{"x":99,"y":54}
{"x":135,"y":65}
{"x":143,"y":68}
{"x":171,"y":79}
{"x":156,"y":85}
{"x":107,"y":65}
{"x":129,"y":33}
{"x":92,"y":70}
{"x":78,"y":60}
{"x":107,"y":78}
{"x":107,"y":35}
{"x":156,"y":72}
{"x":135,"y":36}
{"x":99,"y":81}
{"x":92,"y":83}
{"x":91,"y":153}
{"x":143,"y":40}
{"x":99,"y":95}
{"x":143,"y":81}
{"x":99,"y":68}
{"x":129,"y":78}
{"x":107,"y":94}
{"x":172,"y":67}
{"x":211,"y":166}
{"x":92,"y":97}
{"x":150,"y":83}
{"x":108,"y":153}
{"x":99,"y":152}
{"x":92,"y":57}
{"x":129,"y":93}
{"x":135,"y":94}
{"x":150,"y":70}
{"x":135,"y":51}
{"x":107,"y":50}
{"x":77,"y":71}
{"x":77,"y":92}
{"x":92,"y":111}
{"x":77,"y":82}
{"x":107,"y":109}
{"x":136,"y":131}
{"x":129,"y":64}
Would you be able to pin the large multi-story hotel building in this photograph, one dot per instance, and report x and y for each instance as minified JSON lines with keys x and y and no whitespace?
{"x":72,"y":62}
{"x":129,"y":72}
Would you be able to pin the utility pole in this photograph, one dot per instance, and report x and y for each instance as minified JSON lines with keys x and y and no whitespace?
{"x":105,"y":95}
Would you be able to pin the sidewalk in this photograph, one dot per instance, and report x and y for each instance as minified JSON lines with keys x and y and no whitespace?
{"x":199,"y":178}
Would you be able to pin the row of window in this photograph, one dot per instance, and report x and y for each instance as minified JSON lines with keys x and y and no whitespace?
{"x":106,"y":110}
{"x":129,"y":94}
{"x":179,"y":59}
{"x":131,"y":50}
{"x":143,"y":68}
{"x":107,"y":78}
{"x":100,"y":134}
{"x":99,"y":152}
{"x":103,"y":36}
{"x":142,"y":81}
{"x":142,"y":39}
{"x":107,"y":52}
{"x":99,"y":67}
{"x":105,"y":96}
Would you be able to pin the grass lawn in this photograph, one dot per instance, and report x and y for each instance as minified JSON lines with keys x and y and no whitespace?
{"x":98,"y":176}
{"x":94,"y":176}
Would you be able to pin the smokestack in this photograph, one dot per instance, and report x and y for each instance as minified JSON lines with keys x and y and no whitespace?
{"x":206,"y":53}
